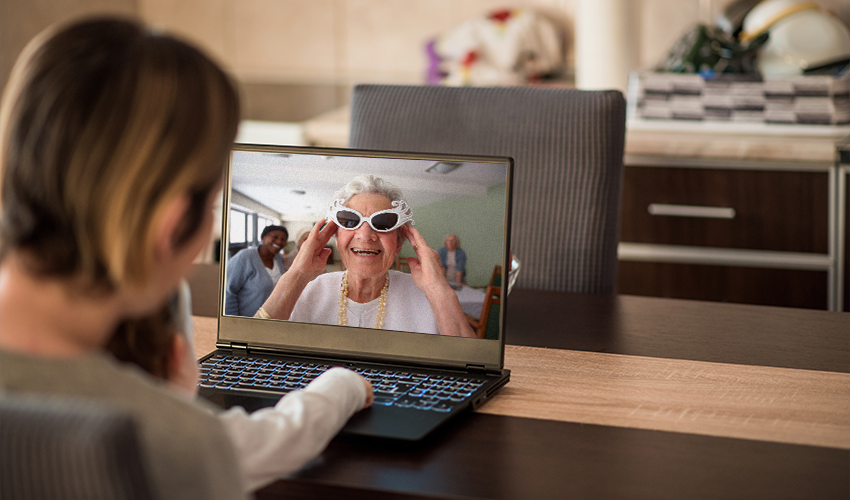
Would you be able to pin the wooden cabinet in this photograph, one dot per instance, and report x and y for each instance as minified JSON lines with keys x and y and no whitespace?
{"x":738,"y":284}
{"x":746,"y":231}
{"x":724,"y":208}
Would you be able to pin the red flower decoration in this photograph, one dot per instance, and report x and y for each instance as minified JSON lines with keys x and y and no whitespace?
{"x":500,"y":15}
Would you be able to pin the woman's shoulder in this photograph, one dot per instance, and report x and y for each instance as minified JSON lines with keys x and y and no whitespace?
{"x":243,"y":256}
{"x":333,"y":277}
{"x":97,"y":376}
{"x":401,"y":279}
{"x":322,"y":290}
{"x":179,"y":434}
{"x":408,"y":308}
{"x":324,"y":282}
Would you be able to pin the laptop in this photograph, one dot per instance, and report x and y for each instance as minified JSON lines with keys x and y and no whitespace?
{"x":421,"y":380}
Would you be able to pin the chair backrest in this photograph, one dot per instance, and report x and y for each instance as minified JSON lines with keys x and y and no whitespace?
{"x":69,"y":450}
{"x":488,"y":326}
{"x":204,"y":283}
{"x":401,"y":264}
{"x":567,"y":146}
{"x":496,"y":277}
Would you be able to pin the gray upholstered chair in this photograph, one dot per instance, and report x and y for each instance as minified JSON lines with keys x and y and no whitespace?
{"x":204,"y":286}
{"x":568,"y":150}
{"x":54,"y":448}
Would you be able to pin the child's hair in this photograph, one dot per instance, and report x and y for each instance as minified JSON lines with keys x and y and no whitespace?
{"x":146,"y":342}
{"x":103,"y":124}
{"x":149,"y":342}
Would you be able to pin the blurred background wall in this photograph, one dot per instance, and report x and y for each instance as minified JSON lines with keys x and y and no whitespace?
{"x":296,"y":59}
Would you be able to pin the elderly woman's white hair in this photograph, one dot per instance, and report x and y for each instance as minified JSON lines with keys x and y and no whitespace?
{"x":446,"y":239}
{"x":369,"y":184}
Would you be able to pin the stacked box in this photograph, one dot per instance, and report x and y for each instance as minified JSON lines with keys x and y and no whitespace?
{"x":821,"y":100}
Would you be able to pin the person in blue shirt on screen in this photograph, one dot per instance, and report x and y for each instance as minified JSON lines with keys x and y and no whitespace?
{"x":253,"y":273}
{"x":453,"y":260}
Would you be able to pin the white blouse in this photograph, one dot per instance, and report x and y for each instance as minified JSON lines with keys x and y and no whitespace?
{"x":407,"y":308}
{"x":275,"y":272}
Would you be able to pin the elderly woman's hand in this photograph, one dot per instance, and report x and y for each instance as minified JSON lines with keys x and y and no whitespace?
{"x":308,"y":265}
{"x":425,"y":267}
{"x":429,"y":277}
{"x":313,"y":254}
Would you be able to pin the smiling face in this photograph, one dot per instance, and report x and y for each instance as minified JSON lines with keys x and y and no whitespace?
{"x":274,"y":241}
{"x":365,"y":252}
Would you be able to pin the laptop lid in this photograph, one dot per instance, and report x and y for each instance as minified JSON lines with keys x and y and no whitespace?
{"x":468,"y":196}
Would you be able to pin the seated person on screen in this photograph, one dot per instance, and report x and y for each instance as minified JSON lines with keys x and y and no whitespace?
{"x":371,"y":220}
{"x":270,"y":442}
{"x":253,"y":272}
{"x":453,"y":260}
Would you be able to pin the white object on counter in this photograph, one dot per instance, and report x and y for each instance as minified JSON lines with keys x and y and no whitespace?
{"x":605,"y":44}
{"x":801,"y":36}
{"x":265,"y":132}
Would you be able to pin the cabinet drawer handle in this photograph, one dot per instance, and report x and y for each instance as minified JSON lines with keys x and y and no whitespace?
{"x":691,"y":211}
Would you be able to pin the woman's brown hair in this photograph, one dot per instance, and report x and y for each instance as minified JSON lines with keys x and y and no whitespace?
{"x":103,"y":123}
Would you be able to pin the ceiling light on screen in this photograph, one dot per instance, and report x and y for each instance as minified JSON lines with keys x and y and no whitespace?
{"x":443,"y":167}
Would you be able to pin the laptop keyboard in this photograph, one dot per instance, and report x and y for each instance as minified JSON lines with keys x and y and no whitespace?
{"x":403,"y":389}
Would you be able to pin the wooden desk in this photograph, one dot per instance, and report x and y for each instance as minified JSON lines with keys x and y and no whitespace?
{"x":646,"y":398}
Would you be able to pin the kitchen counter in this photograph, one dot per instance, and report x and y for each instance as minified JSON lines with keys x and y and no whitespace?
{"x":329,"y":129}
{"x":709,"y":140}
{"x":734,"y":141}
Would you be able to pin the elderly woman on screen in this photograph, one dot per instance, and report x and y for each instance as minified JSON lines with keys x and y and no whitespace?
{"x":371,"y":220}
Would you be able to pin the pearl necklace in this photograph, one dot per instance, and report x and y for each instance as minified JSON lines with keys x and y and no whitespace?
{"x":382,"y":303}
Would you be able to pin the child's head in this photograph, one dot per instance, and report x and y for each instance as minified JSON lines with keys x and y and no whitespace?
{"x":161,"y":344}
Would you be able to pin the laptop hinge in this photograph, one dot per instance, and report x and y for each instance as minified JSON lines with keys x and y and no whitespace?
{"x":475,"y":368}
{"x":239,"y":347}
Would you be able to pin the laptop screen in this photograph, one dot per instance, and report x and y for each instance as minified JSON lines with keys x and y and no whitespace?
{"x":372,"y":295}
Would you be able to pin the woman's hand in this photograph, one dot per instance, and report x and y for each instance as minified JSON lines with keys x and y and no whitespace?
{"x":308,"y":265}
{"x":425,"y":268}
{"x":428,"y":275}
{"x":313,"y":255}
